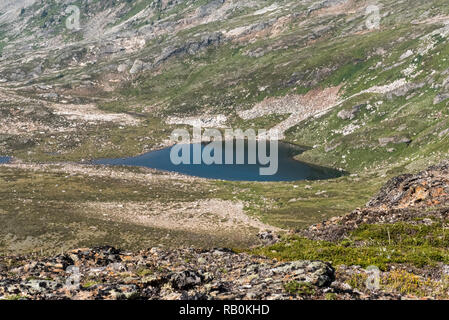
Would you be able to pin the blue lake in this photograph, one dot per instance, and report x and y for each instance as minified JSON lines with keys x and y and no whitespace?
{"x":288,"y":168}
{"x":4,"y":159}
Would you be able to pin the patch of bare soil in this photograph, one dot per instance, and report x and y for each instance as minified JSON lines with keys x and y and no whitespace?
{"x":440,"y":19}
{"x":212,"y":216}
{"x":90,"y":113}
{"x":340,"y":7}
{"x":300,"y":107}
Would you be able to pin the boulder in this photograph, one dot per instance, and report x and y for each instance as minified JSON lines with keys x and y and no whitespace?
{"x":317,"y":273}
{"x":186,"y":279}
{"x":137,"y":67}
{"x":351,"y":113}
{"x":440,"y":98}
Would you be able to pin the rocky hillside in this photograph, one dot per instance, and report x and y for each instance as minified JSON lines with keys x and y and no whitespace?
{"x":421,"y":198}
{"x":108,"y":273}
{"x":363,"y":86}
{"x":401,"y":234}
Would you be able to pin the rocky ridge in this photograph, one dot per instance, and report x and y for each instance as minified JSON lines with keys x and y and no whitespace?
{"x":403,"y":198}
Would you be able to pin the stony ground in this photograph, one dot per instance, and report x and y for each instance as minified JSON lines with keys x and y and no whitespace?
{"x":107,"y":273}
{"x":187,"y":274}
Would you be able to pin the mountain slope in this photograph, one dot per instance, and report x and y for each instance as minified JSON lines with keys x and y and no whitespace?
{"x":189,"y":58}
{"x":367,"y":94}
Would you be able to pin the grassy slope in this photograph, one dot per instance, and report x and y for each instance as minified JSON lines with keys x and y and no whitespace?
{"x":379,"y":245}
{"x":45,"y":211}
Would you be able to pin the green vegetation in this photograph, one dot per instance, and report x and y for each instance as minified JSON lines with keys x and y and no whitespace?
{"x":379,"y":245}
{"x":404,"y":283}
{"x":299,"y":288}
{"x":226,"y":77}
{"x":144,"y":272}
{"x":15,"y":297}
{"x":295,"y":205}
{"x":99,"y":141}
{"x":90,"y":283}
{"x":2,"y":45}
{"x":46,"y":212}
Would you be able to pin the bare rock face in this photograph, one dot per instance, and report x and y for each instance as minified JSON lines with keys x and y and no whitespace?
{"x":394,"y":140}
{"x":429,"y":187}
{"x":191,"y":47}
{"x":440,"y":98}
{"x":400,"y":199}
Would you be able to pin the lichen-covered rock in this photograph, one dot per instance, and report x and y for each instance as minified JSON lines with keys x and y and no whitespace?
{"x":107,"y":273}
{"x":428,"y":187}
{"x":186,"y":279}
{"x":137,"y":67}
{"x":315,"y":272}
